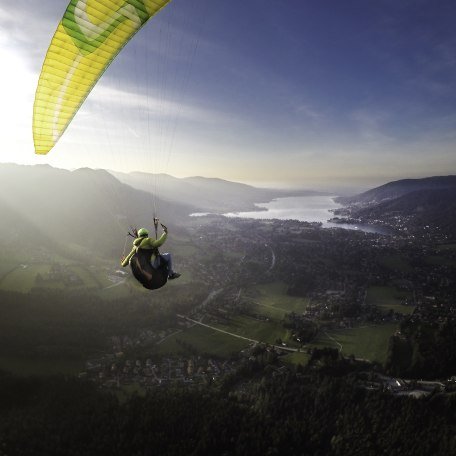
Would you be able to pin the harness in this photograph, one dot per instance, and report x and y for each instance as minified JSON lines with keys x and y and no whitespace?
{"x":141,"y":263}
{"x":150,"y":277}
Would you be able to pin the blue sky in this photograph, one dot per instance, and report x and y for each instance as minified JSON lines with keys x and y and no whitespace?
{"x":270,"y":92}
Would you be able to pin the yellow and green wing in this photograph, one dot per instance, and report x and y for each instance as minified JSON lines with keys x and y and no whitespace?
{"x":89,"y":36}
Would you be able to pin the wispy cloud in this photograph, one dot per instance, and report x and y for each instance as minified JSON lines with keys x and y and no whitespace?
{"x":370,"y":127}
{"x":155,"y":105}
{"x":309,"y":112}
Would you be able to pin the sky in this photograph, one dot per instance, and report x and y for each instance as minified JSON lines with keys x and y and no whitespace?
{"x":290,"y":93}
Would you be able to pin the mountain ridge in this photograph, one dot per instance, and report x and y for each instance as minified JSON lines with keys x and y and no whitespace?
{"x":83,"y":210}
{"x":208,"y":194}
{"x":427,"y":202}
{"x":395,"y":189}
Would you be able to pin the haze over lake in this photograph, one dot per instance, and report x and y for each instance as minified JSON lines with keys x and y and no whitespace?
{"x":304,"y":209}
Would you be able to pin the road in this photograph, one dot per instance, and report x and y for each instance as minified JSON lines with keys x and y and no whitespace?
{"x":273,"y":260}
{"x":210,"y":297}
{"x":334,"y":340}
{"x":168,"y":336}
{"x":279,"y":347}
{"x":115,"y":284}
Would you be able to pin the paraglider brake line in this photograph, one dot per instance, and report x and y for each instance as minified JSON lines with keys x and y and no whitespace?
{"x":156,"y":226}
{"x":133,"y":232}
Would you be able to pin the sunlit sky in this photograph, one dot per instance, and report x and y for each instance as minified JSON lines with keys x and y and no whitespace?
{"x":269,"y":92}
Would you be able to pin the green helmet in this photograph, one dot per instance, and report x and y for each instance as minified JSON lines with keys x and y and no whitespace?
{"x":142,"y":232}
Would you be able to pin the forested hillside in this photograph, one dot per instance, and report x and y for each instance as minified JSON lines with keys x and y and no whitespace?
{"x":396,"y":189}
{"x":299,"y":412}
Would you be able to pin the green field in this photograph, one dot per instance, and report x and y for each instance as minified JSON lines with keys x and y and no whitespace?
{"x":119,"y":291}
{"x":271,"y":300}
{"x":203,"y":340}
{"x":22,"y":278}
{"x":296,"y":358}
{"x":367,"y":342}
{"x":6,"y":267}
{"x":389,"y":298}
{"x":36,"y":366}
{"x":90,"y":279}
{"x":259,"y":330}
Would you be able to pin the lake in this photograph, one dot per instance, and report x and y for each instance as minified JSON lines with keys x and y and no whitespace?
{"x":304,"y":209}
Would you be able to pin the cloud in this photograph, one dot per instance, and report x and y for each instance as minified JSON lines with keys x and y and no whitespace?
{"x":114,"y":99}
{"x":309,"y":112}
{"x":371,"y":126}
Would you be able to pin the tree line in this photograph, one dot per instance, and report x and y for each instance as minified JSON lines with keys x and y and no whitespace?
{"x":308,"y":411}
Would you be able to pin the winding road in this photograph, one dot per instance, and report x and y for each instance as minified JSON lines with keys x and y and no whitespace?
{"x":279,"y":347}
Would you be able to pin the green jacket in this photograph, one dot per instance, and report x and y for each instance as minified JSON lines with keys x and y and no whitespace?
{"x":144,"y":243}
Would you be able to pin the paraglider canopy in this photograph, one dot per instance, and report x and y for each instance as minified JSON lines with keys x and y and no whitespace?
{"x":88,"y":38}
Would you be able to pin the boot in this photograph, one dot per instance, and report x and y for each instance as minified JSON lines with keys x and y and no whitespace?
{"x":174,"y":275}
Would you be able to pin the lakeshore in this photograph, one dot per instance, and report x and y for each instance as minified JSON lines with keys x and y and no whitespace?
{"x":313,"y":209}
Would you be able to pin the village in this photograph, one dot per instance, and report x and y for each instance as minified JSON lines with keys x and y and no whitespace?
{"x":405,"y":387}
{"x":336,"y":272}
{"x":109,"y":371}
{"x":333,"y":268}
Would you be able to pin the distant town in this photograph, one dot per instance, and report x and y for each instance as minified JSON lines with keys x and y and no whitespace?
{"x":345,"y":279}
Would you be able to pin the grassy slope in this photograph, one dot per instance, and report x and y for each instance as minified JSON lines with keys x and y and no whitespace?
{"x":204,"y":340}
{"x":368,"y":342}
{"x":387,"y":298}
{"x":272,"y":301}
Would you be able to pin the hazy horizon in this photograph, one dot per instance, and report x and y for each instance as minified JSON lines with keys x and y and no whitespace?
{"x":326,"y":94}
{"x":342,"y":188}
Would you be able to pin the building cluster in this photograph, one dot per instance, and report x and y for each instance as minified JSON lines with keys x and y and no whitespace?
{"x":404,"y":387}
{"x":143,"y":337}
{"x":332,"y":269}
{"x":59,"y":273}
{"x":111,"y":371}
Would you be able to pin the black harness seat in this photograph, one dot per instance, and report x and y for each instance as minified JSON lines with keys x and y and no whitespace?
{"x":143,"y":271}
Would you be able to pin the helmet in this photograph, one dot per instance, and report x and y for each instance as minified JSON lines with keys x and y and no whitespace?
{"x":142,"y":232}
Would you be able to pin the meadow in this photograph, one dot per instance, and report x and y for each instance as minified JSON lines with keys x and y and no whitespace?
{"x":301,"y":357}
{"x":389,"y":298}
{"x":202,"y":340}
{"x":261,"y":330}
{"x":24,"y":276}
{"x":269,"y":305}
{"x":365,"y":342}
{"x":271,"y":300}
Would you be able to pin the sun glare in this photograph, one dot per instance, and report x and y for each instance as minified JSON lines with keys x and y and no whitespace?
{"x":17,"y":84}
